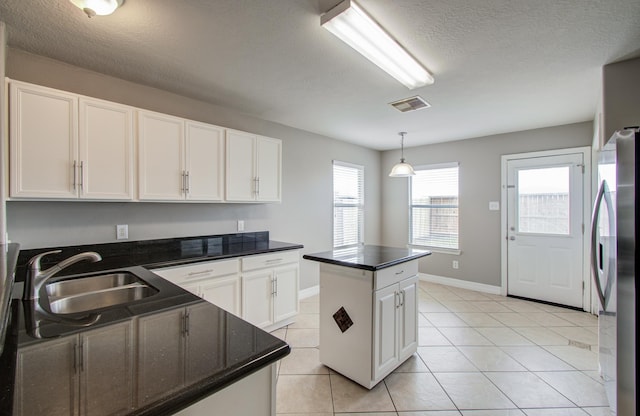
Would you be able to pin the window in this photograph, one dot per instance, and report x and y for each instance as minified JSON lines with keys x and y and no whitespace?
{"x":434,"y":207}
{"x":543,"y":200}
{"x":348,"y":204}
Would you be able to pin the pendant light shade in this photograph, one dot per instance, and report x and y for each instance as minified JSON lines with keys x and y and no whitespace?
{"x":402,"y":169}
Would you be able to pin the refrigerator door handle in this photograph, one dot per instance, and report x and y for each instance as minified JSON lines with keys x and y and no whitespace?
{"x":594,"y":243}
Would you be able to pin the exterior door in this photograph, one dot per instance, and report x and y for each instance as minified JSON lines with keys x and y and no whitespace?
{"x":545,"y":228}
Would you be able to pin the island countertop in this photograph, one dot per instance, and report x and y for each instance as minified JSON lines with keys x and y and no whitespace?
{"x":367,"y":257}
{"x":171,"y":368}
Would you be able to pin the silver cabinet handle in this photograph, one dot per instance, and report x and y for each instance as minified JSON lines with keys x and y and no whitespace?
{"x":75,"y":164}
{"x":399,"y":273}
{"x":82,"y":175}
{"x":258,"y":186}
{"x":187,"y":182}
{"x":200,"y":272}
{"x":512,"y":238}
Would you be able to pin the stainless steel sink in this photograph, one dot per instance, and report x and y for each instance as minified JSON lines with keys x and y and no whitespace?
{"x":84,"y":294}
{"x":82,"y":285}
{"x":101,"y":299}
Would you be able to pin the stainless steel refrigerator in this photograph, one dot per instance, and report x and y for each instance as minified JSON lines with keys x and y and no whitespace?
{"x":613,"y":255}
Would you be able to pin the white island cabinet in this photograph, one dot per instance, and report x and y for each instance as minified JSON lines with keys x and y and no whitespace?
{"x":368,"y":310}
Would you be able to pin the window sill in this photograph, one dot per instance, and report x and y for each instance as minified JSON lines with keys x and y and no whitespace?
{"x":438,"y":250}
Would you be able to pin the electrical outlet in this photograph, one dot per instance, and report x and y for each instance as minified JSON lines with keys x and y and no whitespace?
{"x":240,"y":225}
{"x":455,"y":264}
{"x":122,"y":232}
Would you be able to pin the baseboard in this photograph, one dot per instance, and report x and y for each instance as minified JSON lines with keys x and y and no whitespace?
{"x":463,"y":284}
{"x":308,"y":292}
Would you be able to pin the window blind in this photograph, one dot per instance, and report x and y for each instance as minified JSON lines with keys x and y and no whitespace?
{"x":348,"y":204}
{"x":434,"y":207}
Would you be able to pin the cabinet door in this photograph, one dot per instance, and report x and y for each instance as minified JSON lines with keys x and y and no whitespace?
{"x":106,"y":377}
{"x":160,"y":157}
{"x":106,"y":150}
{"x":48,"y":393}
{"x":43,"y":142}
{"x":193,"y":287}
{"x":385,"y":340}
{"x":204,"y":162}
{"x":408,"y":318}
{"x":223,"y":292}
{"x":203,"y":354}
{"x":240,"y":166}
{"x":160,"y":335}
{"x":285,"y":301}
{"x":269,"y":167}
{"x":257,"y":297}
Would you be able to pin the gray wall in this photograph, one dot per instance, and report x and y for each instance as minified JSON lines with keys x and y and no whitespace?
{"x":304,"y":216}
{"x":621,"y":96}
{"x":479,"y":183}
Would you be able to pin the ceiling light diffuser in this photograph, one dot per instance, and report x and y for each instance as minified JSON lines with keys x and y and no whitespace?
{"x":353,"y":26}
{"x":97,"y":7}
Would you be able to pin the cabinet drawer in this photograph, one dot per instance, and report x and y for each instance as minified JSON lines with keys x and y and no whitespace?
{"x":394,"y":274}
{"x":199,"y":270}
{"x":270,"y":260}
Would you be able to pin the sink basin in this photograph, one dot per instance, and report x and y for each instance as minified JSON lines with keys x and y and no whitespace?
{"x":83,"y":285}
{"x":101,"y":299}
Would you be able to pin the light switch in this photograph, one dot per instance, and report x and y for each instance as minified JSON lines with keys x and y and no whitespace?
{"x":494,"y":206}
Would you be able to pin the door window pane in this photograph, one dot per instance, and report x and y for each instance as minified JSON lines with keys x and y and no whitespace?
{"x":543,"y":201}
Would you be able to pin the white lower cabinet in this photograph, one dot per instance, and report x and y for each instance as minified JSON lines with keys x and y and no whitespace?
{"x":383,"y":309}
{"x":99,"y":365}
{"x":270,"y":289}
{"x":217,"y":282}
{"x":395,"y":331}
{"x":262,"y":289}
{"x":183,"y":336}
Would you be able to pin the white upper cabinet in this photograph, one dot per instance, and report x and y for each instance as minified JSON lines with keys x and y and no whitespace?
{"x":63,"y":146}
{"x":67,"y":146}
{"x":161,"y":175}
{"x":269,"y":166}
{"x":179,"y":159}
{"x":106,"y":150}
{"x":204,"y":162}
{"x":254,"y":165}
{"x":43,"y":142}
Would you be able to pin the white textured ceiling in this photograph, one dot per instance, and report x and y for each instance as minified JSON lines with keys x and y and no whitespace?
{"x":499,"y":65}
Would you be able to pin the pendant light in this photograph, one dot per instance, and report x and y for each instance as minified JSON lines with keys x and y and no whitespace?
{"x":402,"y":169}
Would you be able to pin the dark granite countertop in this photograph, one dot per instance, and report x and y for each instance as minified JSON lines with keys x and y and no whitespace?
{"x":368,"y":257}
{"x":217,"y":350}
{"x":8,"y":259}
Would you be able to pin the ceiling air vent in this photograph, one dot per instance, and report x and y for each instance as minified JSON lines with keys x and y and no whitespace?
{"x":410,"y":104}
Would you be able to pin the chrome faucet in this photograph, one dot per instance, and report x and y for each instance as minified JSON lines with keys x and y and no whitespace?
{"x":36,"y":278}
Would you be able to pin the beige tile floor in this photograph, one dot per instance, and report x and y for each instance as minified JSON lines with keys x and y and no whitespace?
{"x":478,"y":355}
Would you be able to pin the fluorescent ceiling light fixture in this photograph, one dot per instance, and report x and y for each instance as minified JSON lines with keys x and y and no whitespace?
{"x":97,"y":7}
{"x":402,"y":169}
{"x":354,"y":27}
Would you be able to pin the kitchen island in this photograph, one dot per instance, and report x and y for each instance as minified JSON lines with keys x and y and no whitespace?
{"x":168,"y":353}
{"x":368,"y":310}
